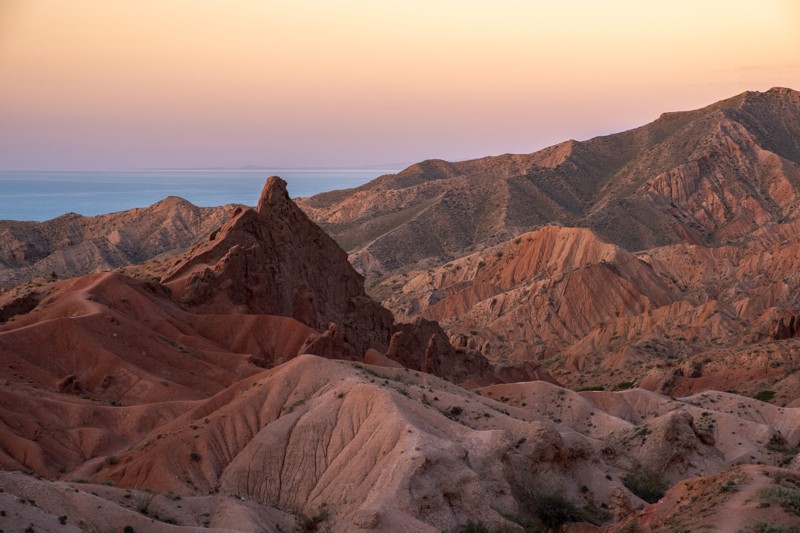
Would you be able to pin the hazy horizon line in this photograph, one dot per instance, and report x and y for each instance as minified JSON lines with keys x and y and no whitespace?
{"x":246,"y":168}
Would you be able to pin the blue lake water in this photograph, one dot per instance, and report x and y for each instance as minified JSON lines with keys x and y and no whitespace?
{"x":42,"y":195}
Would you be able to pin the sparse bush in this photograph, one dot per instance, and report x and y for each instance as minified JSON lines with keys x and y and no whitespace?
{"x":312,"y":524}
{"x":631,"y":526}
{"x":456,"y":410}
{"x":542,"y":501}
{"x":645,"y":484}
{"x":625,"y":385}
{"x":765,"y":527}
{"x":764,"y":395}
{"x":166,"y":519}
{"x":474,"y":527}
{"x":143,"y":502}
{"x":591,"y":388}
{"x":554,"y":510}
{"x":62,"y":519}
{"x":787,"y":498}
{"x":321,"y":516}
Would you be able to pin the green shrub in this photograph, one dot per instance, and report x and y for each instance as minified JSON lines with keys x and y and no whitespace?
{"x":474,"y":527}
{"x":143,"y":502}
{"x":625,"y":385}
{"x":552,"y":509}
{"x":764,"y":527}
{"x":645,"y":484}
{"x":764,"y":395}
{"x":631,"y":526}
{"x":321,"y":516}
{"x":787,"y":498}
{"x":591,"y":388}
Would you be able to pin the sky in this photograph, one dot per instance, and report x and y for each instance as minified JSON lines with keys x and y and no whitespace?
{"x":102,"y":84}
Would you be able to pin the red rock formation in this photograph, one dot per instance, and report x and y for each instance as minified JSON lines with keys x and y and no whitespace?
{"x":273,"y":260}
{"x":787,"y":329}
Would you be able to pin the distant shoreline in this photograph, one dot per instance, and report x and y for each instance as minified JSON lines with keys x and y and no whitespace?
{"x":387,"y":169}
{"x":39,"y":195}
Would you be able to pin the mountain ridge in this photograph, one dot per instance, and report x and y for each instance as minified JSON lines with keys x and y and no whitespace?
{"x":72,"y":244}
{"x":437,"y":211}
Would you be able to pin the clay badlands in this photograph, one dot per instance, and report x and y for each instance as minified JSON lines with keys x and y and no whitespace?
{"x":600,"y":336}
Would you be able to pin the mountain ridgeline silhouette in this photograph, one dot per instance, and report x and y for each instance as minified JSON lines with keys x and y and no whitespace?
{"x":709,"y":176}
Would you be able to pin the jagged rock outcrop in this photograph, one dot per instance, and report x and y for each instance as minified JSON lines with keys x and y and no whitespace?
{"x":787,"y":329}
{"x":19,"y":305}
{"x":273,"y":260}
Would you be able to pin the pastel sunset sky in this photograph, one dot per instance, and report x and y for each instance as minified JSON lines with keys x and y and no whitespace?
{"x":88,"y":84}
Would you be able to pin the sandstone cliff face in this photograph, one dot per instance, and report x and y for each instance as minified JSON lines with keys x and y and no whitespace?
{"x":709,"y":176}
{"x":72,"y":245}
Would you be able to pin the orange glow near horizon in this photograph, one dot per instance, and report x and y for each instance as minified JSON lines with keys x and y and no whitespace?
{"x":93,"y":84}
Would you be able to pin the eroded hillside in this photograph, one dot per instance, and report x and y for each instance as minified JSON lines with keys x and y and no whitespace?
{"x":709,"y":176}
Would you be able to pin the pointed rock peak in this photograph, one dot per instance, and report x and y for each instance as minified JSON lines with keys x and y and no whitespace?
{"x":274,"y":193}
